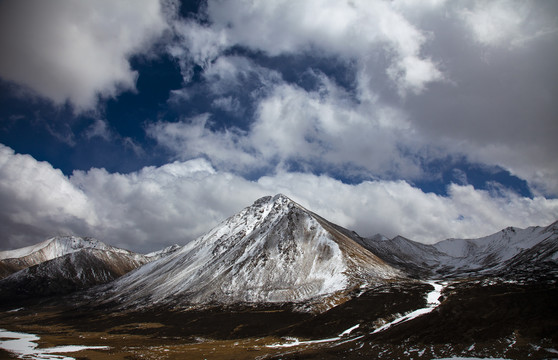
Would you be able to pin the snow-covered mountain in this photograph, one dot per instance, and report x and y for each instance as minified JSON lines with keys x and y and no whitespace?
{"x":271,"y":252}
{"x":61,"y":265}
{"x":74,"y":271}
{"x":15,"y":260}
{"x":493,"y":254}
{"x":274,"y":251}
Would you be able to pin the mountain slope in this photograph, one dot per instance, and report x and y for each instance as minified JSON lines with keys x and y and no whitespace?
{"x":271,"y":252}
{"x":490,"y":251}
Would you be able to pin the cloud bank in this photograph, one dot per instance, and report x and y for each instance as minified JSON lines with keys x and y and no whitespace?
{"x":177,"y":202}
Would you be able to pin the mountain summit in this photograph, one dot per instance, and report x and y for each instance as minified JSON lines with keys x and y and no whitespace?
{"x":271,"y":252}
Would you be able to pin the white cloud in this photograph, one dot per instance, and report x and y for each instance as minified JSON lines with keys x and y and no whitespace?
{"x":38,"y":200}
{"x":495,"y":22}
{"x":353,"y":30}
{"x":499,"y":112}
{"x":228,"y":104}
{"x":239,"y":76}
{"x":412,"y":74}
{"x":508,"y":23}
{"x":191,"y":138}
{"x":197,"y":44}
{"x":76,"y":51}
{"x":491,"y":104}
{"x":98,"y":128}
{"x":177,"y":202}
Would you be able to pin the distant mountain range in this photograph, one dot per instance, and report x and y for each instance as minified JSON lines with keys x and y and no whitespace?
{"x":511,"y":250}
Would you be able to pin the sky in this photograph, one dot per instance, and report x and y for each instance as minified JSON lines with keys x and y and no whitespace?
{"x":145,"y":123}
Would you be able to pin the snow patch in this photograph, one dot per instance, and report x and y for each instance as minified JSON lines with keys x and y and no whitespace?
{"x":349,"y":330}
{"x":432,"y":301}
{"x":24,"y":346}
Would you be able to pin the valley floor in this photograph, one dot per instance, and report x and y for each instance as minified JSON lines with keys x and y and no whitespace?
{"x":475,"y":319}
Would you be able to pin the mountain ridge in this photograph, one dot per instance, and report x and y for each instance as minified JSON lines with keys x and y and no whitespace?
{"x":459,"y":257}
{"x":78,"y":270}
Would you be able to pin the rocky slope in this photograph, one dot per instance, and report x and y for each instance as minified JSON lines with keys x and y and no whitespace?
{"x":156,"y":255}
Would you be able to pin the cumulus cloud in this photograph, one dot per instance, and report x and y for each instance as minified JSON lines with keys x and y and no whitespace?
{"x":196,"y":45}
{"x":191,"y":138}
{"x":499,"y":108}
{"x":420,"y":81}
{"x":353,"y":30}
{"x":496,"y":22}
{"x":174,"y":203}
{"x":310,"y":128}
{"x":412,"y":74}
{"x":69,"y":51}
{"x":38,"y":200}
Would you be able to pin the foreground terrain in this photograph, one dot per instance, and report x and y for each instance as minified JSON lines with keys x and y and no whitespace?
{"x":488,"y":318}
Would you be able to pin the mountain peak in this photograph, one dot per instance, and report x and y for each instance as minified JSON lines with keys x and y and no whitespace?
{"x":270,"y":252}
{"x":278,"y":199}
{"x":281,"y":197}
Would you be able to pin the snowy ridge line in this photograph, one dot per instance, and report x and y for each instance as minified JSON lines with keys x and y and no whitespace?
{"x":55,"y":247}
